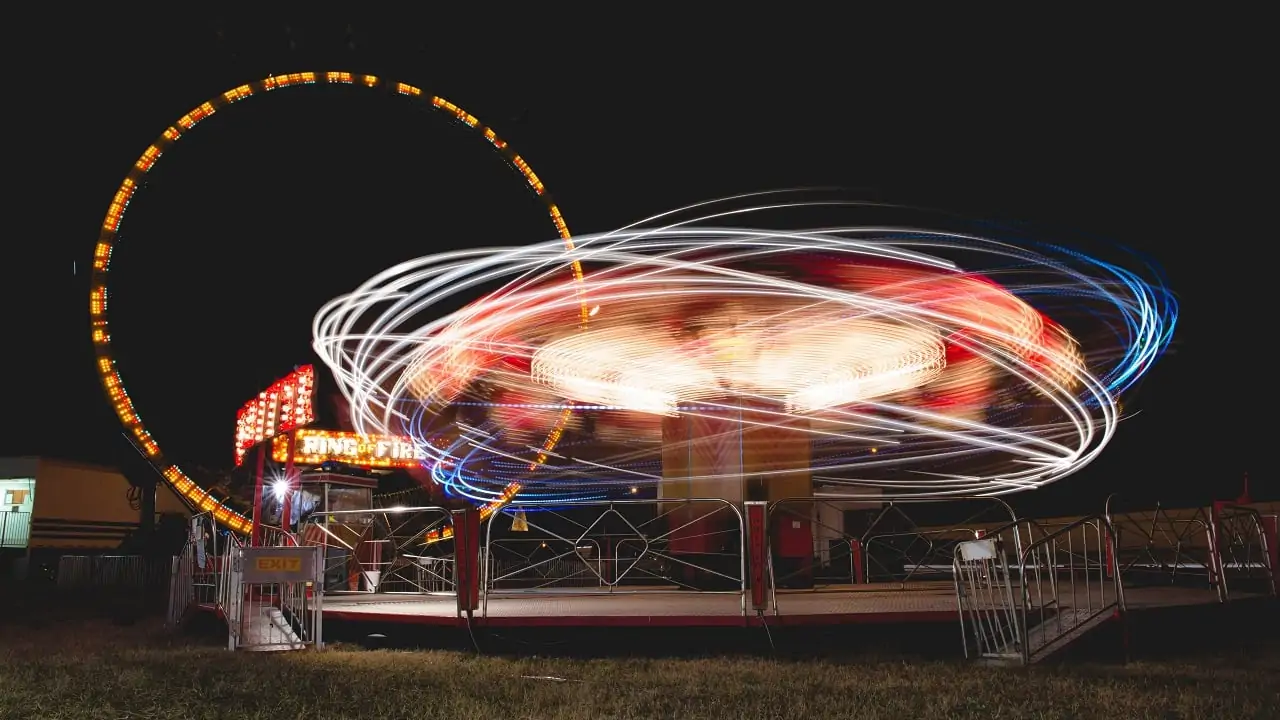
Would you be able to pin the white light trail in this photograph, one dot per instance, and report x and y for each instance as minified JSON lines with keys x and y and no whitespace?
{"x":864,"y":336}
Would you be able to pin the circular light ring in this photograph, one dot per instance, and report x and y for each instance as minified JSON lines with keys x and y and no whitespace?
{"x":99,"y":295}
{"x":987,"y":333}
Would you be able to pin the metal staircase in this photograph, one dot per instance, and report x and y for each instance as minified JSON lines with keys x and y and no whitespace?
{"x":1028,"y":590}
{"x":260,"y":615}
{"x":1060,"y":586}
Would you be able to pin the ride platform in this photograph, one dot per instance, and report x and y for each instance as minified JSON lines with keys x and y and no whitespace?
{"x":875,"y":603}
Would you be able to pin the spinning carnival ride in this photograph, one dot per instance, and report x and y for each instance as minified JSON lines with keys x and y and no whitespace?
{"x":748,"y":364}
{"x":706,"y":361}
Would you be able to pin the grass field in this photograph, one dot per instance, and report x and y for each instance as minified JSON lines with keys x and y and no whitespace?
{"x":77,"y":668}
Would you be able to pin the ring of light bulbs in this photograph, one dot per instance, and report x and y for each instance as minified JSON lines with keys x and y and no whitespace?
{"x":108,"y":238}
{"x":916,"y":376}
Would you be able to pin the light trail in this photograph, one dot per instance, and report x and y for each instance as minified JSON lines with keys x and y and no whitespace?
{"x":915,"y":372}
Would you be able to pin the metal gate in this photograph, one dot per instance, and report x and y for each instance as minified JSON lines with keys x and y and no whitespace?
{"x":989,"y":618}
{"x":270,"y":598}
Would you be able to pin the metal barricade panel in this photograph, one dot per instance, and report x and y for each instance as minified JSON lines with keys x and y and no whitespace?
{"x":989,"y":622}
{"x":271,"y":602}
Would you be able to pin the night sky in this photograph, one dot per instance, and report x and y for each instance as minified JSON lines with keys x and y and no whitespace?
{"x":268,"y":209}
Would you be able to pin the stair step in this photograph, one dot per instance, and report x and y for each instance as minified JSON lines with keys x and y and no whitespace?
{"x":270,"y":631}
{"x":1060,"y":630}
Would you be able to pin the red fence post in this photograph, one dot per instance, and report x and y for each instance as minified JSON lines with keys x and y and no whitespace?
{"x":466,"y":558}
{"x":758,"y":553}
{"x":855,"y":550}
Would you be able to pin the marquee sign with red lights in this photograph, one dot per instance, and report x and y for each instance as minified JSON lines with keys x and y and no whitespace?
{"x":313,"y":447}
{"x":287,"y":405}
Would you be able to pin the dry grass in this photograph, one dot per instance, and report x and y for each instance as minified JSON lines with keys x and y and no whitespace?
{"x":77,"y":668}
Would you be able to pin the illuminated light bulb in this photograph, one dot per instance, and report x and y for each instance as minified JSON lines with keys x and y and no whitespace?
{"x":280,"y":488}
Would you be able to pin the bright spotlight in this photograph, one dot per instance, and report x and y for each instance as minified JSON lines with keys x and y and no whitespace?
{"x":280,"y":488}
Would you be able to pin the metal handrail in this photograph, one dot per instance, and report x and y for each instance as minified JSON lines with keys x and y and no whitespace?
{"x":397,"y":510}
{"x":322,"y":520}
{"x":866,"y":537}
{"x":927,"y":536}
{"x":1161,"y":520}
{"x":271,"y":531}
{"x":486,"y":578}
{"x":1101,"y":523}
{"x":1259,"y":533}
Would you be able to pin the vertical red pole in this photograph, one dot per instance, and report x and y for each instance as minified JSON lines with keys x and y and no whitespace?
{"x":855,"y":550}
{"x":286,"y":507}
{"x":758,"y":553}
{"x":255,"y":538}
{"x":1245,"y":498}
{"x":466,"y":558}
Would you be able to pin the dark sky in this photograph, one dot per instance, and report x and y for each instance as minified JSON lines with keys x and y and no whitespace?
{"x":1136,"y":133}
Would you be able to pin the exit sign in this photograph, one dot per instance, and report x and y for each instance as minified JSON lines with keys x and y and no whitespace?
{"x":278,"y":564}
{"x":263,"y":565}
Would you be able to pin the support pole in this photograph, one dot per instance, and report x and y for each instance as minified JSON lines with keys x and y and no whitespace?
{"x":466,"y":558}
{"x":256,"y":538}
{"x":758,"y":553}
{"x":859,"y":572}
{"x":286,"y":508}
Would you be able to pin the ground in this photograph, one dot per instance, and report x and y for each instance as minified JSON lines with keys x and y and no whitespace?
{"x":69,"y":664}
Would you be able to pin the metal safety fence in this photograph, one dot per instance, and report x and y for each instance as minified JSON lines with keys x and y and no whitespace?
{"x":615,"y":547}
{"x":818,"y":543}
{"x":1245,"y":560}
{"x":112,"y":574}
{"x":270,"y":600}
{"x":1023,"y":588}
{"x":197,"y":568}
{"x":386,"y":550}
{"x":1163,"y":547}
{"x":15,"y":529}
